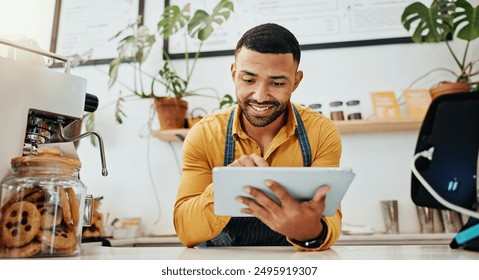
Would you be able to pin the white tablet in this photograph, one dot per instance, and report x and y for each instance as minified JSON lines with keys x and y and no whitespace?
{"x":300,"y":182}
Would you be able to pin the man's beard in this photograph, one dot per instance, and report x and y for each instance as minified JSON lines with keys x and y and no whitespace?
{"x":262,"y":121}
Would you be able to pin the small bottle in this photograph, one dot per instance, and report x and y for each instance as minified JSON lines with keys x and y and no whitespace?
{"x":336,"y":110}
{"x":316,"y":107}
{"x":354,"y":110}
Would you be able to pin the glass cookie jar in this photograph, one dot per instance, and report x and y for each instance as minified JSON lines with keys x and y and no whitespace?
{"x":42,"y":207}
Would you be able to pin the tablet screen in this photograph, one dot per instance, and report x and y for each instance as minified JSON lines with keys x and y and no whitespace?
{"x":300,"y":182}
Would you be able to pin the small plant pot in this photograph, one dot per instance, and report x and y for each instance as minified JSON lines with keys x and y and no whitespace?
{"x":171,"y":112}
{"x":448,"y":88}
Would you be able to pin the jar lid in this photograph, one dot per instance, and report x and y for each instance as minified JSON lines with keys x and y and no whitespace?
{"x":46,"y":155}
{"x":352,"y":102}
{"x":336,"y":103}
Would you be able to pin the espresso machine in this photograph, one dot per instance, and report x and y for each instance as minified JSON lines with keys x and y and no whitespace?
{"x":37,"y":103}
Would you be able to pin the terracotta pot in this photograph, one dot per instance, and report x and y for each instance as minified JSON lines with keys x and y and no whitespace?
{"x":447,"y":88}
{"x":171,"y":112}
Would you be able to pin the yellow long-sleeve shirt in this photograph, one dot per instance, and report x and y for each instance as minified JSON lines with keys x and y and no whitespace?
{"x":203,"y":149}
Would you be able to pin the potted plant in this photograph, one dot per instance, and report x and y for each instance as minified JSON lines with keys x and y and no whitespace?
{"x":442,"y":20}
{"x":167,"y":87}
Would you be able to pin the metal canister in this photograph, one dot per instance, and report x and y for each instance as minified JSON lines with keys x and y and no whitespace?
{"x":336,"y":111}
{"x":353,"y":109}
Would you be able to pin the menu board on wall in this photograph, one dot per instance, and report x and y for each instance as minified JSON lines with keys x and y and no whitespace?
{"x":87,"y":26}
{"x":316,"y":23}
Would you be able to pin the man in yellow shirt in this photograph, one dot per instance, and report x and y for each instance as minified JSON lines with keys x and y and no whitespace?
{"x":264,"y":129}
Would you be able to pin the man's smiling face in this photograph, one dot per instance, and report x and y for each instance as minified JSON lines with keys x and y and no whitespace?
{"x":264,"y":83}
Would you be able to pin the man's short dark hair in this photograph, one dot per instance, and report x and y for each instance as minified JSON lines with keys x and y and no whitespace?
{"x":270,"y":38}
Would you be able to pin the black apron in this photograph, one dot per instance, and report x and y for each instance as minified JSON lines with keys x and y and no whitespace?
{"x":250,"y":231}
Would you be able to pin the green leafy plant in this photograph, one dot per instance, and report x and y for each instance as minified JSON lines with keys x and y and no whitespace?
{"x":227,"y":101}
{"x":136,"y":43}
{"x":442,"y":20}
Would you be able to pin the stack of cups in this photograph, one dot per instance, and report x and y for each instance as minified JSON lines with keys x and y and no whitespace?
{"x":389,"y":210}
{"x":426,"y":219}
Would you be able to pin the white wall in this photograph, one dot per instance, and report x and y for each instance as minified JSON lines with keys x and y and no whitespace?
{"x":144,"y":170}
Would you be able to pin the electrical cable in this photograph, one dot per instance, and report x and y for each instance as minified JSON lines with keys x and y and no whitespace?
{"x":178,"y":165}
{"x":428,"y":154}
{"x":150,"y":173}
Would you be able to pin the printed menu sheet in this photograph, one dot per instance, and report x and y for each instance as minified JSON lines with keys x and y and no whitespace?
{"x":385,"y":105}
{"x":314,"y":22}
{"x":89,"y":25}
{"x":417,"y":102}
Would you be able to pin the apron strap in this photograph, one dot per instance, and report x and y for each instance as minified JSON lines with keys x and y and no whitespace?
{"x":303,"y":139}
{"x":300,"y":132}
{"x":229,"y":156}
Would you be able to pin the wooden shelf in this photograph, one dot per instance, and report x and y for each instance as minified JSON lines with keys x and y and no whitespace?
{"x":375,"y":126}
{"x":345,"y":127}
{"x":171,"y":135}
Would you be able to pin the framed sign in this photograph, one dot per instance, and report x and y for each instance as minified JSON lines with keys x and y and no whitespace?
{"x":84,"y":28}
{"x":317,"y":24}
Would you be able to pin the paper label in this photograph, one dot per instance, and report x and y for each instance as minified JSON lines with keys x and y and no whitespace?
{"x":385,"y":105}
{"x":417,"y":102}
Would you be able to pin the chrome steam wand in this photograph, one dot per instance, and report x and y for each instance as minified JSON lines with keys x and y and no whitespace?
{"x":104,"y":171}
